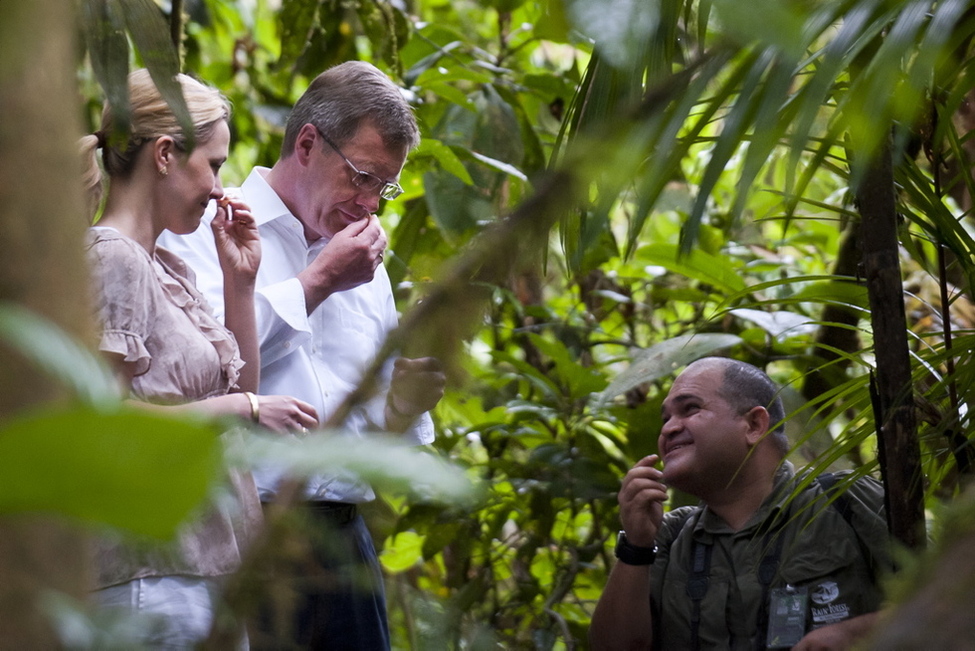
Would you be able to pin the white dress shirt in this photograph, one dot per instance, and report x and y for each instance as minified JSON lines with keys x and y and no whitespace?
{"x":319,"y":357}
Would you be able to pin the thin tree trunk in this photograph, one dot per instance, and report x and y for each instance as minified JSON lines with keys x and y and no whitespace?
{"x":896,"y":423}
{"x":41,"y":267}
{"x":832,"y":336}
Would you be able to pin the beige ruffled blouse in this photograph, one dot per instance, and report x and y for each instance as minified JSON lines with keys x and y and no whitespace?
{"x":153,"y":316}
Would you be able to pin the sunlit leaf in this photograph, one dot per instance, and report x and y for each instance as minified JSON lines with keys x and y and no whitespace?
{"x":779,"y":323}
{"x":402,"y":551}
{"x":500,"y":166}
{"x":739,"y":119}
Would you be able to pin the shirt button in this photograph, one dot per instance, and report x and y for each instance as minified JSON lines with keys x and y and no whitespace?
{"x":287,"y":344}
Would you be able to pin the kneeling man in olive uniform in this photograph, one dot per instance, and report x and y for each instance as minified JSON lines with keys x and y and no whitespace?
{"x":759,"y":564}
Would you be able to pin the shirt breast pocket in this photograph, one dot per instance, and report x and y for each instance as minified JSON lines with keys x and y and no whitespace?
{"x":835,"y":576}
{"x":348,"y":344}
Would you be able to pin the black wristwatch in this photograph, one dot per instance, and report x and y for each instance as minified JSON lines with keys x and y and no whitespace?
{"x":633,"y":555}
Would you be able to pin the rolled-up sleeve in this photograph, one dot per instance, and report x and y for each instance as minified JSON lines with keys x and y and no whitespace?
{"x":282,"y":319}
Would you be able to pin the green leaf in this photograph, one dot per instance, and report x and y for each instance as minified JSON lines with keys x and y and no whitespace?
{"x":445,"y":157}
{"x":619,"y":27}
{"x":497,"y":138}
{"x":698,"y":265}
{"x":388,"y":30}
{"x":455,"y":206}
{"x":130,"y":469}
{"x":580,"y":380}
{"x":528,"y":373}
{"x":429,"y":61}
{"x":836,"y":292}
{"x":553,"y":25}
{"x":439,"y":536}
{"x":108,"y":51}
{"x":56,"y":353}
{"x":779,"y":324}
{"x":150,"y":34}
{"x":782,"y":24}
{"x":402,"y":551}
{"x":661,"y":360}
{"x":297,"y":18}
{"x":447,"y":90}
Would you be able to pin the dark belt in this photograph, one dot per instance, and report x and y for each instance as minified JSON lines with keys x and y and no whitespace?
{"x":338,"y":513}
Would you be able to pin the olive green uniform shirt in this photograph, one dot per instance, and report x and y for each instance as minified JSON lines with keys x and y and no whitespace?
{"x":820,"y":551}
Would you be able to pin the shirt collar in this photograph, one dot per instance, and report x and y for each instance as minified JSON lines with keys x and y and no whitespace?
{"x":266,"y":205}
{"x":777,"y":500}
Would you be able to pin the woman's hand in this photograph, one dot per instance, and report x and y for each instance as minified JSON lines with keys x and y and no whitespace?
{"x":283,"y":414}
{"x":237,"y":238}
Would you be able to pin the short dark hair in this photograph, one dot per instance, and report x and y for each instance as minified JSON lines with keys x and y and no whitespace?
{"x":344,"y":97}
{"x":745,"y":386}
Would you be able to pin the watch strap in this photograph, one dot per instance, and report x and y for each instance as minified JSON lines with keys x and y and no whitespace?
{"x":632,"y":554}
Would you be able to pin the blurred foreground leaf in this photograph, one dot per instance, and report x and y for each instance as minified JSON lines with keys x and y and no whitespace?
{"x":108,"y":26}
{"x":385,"y":462}
{"x":130,"y":469}
{"x":57,"y":354}
{"x":81,"y":627}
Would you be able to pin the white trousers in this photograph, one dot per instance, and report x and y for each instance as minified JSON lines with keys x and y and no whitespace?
{"x":180,"y":609}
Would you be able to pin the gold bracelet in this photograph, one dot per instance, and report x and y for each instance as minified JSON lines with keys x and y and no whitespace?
{"x":255,"y":406}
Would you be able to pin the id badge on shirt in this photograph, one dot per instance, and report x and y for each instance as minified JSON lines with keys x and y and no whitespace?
{"x":786,"y":616}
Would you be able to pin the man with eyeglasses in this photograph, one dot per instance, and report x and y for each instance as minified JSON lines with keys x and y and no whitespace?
{"x":324,"y":308}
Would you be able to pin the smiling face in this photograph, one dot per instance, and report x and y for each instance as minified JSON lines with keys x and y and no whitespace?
{"x":704,"y":440}
{"x":192,"y":180}
{"x":331,"y":201}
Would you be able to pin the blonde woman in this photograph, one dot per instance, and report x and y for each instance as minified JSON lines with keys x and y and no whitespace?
{"x":163,"y":341}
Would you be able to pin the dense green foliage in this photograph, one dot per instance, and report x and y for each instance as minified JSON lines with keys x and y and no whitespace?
{"x":714,"y":157}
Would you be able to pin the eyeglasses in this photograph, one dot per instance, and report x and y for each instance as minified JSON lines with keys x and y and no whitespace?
{"x":365,"y":180}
